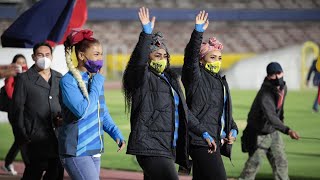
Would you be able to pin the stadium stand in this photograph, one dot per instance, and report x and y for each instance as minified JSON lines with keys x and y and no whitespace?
{"x":241,"y":37}
{"x":224,"y":4}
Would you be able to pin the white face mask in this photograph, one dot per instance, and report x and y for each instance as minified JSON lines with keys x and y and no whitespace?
{"x":43,"y":63}
{"x":18,"y":68}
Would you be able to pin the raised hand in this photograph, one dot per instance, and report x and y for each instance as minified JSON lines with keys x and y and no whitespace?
{"x":8,"y":70}
{"x":144,"y":17}
{"x":202,"y":21}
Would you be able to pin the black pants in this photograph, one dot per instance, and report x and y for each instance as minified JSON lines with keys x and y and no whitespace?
{"x":52,"y":167}
{"x":158,"y":168}
{"x":12,"y":153}
{"x":207,"y":166}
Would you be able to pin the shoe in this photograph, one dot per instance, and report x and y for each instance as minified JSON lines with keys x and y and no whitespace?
{"x":10,"y":169}
{"x":183,"y":171}
{"x":315,"y":110}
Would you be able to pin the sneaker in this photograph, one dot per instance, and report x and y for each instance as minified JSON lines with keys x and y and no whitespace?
{"x":315,"y":109}
{"x":10,"y":169}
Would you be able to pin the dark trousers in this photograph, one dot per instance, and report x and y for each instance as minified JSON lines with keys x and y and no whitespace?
{"x":52,"y":167}
{"x":14,"y":150}
{"x":12,"y":153}
{"x":207,"y":166}
{"x":158,"y":168}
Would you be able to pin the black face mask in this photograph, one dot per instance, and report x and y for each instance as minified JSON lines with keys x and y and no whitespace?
{"x":277,"y":82}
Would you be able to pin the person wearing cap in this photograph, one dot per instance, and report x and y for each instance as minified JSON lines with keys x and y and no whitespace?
{"x":265,"y":122}
{"x":159,"y":118}
{"x":209,"y":99}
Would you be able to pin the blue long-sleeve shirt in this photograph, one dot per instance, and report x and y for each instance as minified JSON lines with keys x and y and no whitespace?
{"x":84,"y":121}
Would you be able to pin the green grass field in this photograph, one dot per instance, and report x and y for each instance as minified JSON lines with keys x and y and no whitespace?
{"x":303,"y":155}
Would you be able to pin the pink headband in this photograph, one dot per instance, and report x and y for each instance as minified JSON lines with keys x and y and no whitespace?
{"x":213,"y":44}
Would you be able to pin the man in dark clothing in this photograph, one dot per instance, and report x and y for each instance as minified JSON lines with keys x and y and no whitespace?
{"x":316,"y":82}
{"x":36,"y":105}
{"x":265,"y":120}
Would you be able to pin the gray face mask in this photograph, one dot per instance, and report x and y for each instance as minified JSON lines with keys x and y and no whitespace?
{"x":43,"y":63}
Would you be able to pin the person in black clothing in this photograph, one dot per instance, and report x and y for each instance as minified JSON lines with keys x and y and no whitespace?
{"x":208,"y":97}
{"x":316,"y":82}
{"x":35,"y":107}
{"x":159,"y":117}
{"x":21,"y":62}
{"x":265,"y":120}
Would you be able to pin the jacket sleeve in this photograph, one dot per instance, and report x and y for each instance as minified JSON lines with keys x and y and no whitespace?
{"x":269,"y":110}
{"x":109,"y":126}
{"x":137,"y":65}
{"x":194,"y":125}
{"x":191,"y":68}
{"x":9,"y":86}
{"x":19,"y":99}
{"x":73,"y":98}
{"x":234,"y":125}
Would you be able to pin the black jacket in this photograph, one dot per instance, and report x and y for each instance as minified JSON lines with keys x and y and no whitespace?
{"x":264,"y":116}
{"x":152,"y":111}
{"x":316,"y":77}
{"x":35,"y":105}
{"x":205,"y":94}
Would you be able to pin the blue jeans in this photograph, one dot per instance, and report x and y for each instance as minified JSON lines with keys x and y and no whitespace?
{"x":82,"y":167}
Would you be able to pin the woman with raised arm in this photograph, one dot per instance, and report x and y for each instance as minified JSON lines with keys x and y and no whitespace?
{"x":208,"y":98}
{"x":159,"y":114}
{"x":84,"y":111}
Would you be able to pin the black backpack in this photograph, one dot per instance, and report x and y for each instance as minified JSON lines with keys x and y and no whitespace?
{"x":4,"y":100}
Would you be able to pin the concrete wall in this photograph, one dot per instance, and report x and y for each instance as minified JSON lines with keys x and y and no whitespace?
{"x":250,"y":73}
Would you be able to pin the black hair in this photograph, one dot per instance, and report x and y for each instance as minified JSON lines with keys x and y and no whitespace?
{"x":16,"y":57}
{"x":36,"y":47}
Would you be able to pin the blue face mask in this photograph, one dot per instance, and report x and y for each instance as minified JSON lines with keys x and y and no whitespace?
{"x":93,"y":66}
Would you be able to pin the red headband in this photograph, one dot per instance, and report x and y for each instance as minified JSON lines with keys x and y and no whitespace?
{"x":78,"y":35}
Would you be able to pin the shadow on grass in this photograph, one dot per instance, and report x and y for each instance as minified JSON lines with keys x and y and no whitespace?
{"x":261,"y":176}
{"x":304,"y":154}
